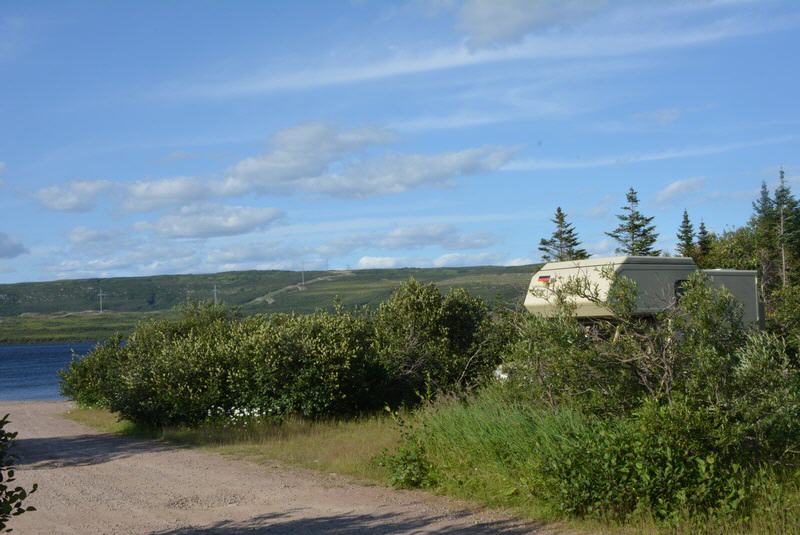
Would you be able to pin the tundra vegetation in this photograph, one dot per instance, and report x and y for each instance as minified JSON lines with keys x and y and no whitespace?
{"x":686,"y":422}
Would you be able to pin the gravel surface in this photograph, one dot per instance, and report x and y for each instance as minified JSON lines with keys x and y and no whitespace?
{"x":91,"y":483}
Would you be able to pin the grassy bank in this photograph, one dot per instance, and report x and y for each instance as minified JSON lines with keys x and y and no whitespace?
{"x":343,"y":447}
{"x":68,"y":327}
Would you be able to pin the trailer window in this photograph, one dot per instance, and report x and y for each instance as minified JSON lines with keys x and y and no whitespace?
{"x":680,"y":289}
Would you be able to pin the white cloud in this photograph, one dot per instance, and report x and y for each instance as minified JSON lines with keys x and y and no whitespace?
{"x":521,"y":111}
{"x":379,"y":262}
{"x":9,"y":247}
{"x":466,"y":259}
{"x":521,"y":262}
{"x":74,"y":196}
{"x":206,"y":221}
{"x":490,"y":22}
{"x":446,"y":236}
{"x":299,"y":154}
{"x":320,"y":159}
{"x":254,"y":252}
{"x":680,"y":188}
{"x":82,"y":235}
{"x":144,"y":258}
{"x":150,"y":194}
{"x":532,"y":164}
{"x":397,"y":173}
{"x":2,"y":168}
{"x":600,"y":248}
{"x":441,"y":235}
{"x":630,"y":32}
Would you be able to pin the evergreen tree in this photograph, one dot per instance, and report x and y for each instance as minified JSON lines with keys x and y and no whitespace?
{"x":764,"y":207}
{"x":686,"y":245}
{"x":704,"y":239}
{"x":765,"y":226}
{"x":635,"y":233}
{"x":786,"y":212}
{"x":564,"y":243}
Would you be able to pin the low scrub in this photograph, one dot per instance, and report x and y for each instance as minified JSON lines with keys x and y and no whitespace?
{"x":209,"y":363}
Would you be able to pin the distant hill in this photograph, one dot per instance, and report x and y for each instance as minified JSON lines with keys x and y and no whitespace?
{"x":255,"y":291}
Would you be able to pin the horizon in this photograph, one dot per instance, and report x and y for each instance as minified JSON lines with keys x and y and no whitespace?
{"x":195,"y":138}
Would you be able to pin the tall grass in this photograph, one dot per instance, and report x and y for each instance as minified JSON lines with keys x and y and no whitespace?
{"x":481,"y":448}
{"x":486,"y":448}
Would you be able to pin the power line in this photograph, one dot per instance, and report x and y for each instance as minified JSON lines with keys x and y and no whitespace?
{"x":100,"y":295}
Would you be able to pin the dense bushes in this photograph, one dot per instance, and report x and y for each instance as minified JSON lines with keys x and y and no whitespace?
{"x":209,"y":362}
{"x":427,"y":341}
{"x":679,"y":415}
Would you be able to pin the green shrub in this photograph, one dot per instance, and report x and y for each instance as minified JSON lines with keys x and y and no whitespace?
{"x":764,"y":400}
{"x":663,"y":460}
{"x":11,"y":498}
{"x":90,"y":379}
{"x":208,"y":363}
{"x":428,"y":342}
{"x":315,"y":365}
{"x":555,"y":362}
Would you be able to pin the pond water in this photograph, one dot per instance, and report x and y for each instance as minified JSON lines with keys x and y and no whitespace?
{"x":30,"y":371}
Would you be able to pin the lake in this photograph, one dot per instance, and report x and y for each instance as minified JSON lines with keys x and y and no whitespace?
{"x":30,"y":371}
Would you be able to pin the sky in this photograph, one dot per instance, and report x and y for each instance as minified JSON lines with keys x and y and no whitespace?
{"x":156,"y":137}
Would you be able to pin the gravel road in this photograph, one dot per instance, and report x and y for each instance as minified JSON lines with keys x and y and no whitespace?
{"x":93,"y":483}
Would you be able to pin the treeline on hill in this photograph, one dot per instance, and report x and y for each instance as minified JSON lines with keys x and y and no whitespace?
{"x":691,"y":419}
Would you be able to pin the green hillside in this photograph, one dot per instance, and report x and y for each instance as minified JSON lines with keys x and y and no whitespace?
{"x":67,"y":309}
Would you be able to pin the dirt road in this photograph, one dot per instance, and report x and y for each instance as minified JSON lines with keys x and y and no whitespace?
{"x":94,"y":483}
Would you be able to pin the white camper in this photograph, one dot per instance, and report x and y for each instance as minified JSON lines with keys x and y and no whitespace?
{"x":658,"y":279}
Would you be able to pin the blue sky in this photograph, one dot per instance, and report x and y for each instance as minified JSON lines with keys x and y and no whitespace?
{"x":186,"y":137}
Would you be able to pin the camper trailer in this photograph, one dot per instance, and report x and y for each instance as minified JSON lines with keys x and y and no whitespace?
{"x":659,"y":283}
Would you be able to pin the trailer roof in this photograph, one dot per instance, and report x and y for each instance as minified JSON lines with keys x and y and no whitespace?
{"x":617,"y":260}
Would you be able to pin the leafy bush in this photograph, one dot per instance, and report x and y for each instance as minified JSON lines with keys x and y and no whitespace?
{"x":428,"y":342}
{"x":764,"y":401}
{"x":11,"y":498}
{"x":89,"y":380}
{"x":208,"y":362}
{"x":313,"y":365}
{"x":663,"y":460}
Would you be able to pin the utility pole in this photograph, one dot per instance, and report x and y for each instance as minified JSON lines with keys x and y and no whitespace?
{"x":100,"y":295}
{"x":215,"y":294}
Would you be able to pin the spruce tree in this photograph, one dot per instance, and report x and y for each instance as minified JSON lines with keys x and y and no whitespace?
{"x":765,"y":225}
{"x":703,"y":240}
{"x":564,"y":243}
{"x":786,"y":209}
{"x":635,"y":233}
{"x":686,"y":245}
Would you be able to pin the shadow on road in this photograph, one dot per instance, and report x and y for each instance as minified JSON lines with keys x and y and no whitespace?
{"x":385,"y":524}
{"x":79,"y":450}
